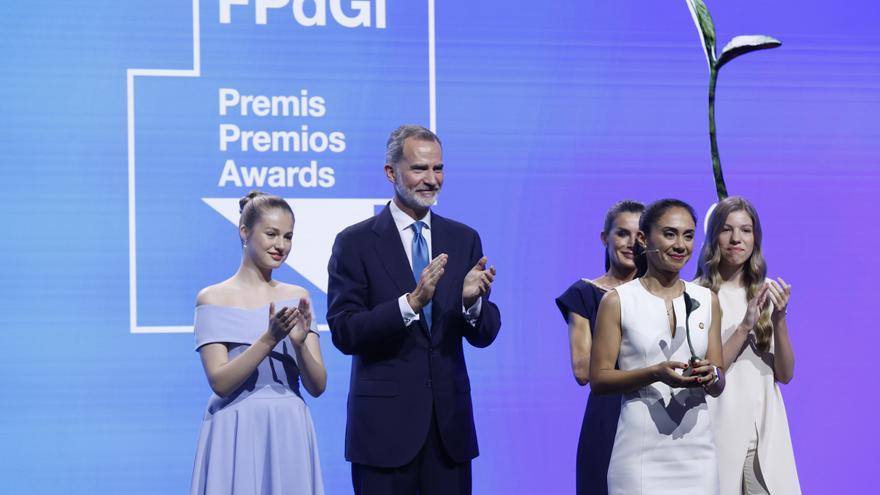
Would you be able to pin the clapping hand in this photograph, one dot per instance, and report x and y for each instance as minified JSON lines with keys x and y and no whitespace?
{"x":755,"y":306}
{"x":281,"y":323}
{"x":424,"y":291}
{"x":302,"y":322}
{"x":477,"y":282}
{"x":779,"y":294}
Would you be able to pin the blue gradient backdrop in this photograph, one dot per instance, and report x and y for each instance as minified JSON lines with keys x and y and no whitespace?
{"x":548,"y":114}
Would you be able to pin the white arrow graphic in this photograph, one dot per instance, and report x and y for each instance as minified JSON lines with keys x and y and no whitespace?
{"x":317,"y":223}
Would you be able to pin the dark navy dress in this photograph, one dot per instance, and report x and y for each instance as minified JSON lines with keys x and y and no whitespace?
{"x":600,"y":418}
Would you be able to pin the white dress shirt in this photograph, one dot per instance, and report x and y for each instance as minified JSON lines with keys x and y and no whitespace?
{"x":404,"y":222}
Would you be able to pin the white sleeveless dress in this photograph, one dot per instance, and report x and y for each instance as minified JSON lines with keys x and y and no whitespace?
{"x":751,"y":406}
{"x":664,"y":442}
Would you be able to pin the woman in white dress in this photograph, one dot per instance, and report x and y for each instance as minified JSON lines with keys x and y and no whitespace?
{"x":751,"y":429}
{"x":656,"y":328}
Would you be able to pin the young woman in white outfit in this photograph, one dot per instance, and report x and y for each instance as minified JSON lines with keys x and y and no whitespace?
{"x":751,"y":429}
{"x":652,"y":327}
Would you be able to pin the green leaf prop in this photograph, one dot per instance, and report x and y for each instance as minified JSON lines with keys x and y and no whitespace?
{"x":739,"y":45}
{"x":705,"y":26}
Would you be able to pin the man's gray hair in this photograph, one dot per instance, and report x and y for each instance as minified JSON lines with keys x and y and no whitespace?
{"x":394,"y":147}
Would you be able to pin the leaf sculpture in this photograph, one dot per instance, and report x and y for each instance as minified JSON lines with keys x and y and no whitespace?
{"x":690,"y":305}
{"x":705,"y":27}
{"x":739,"y":45}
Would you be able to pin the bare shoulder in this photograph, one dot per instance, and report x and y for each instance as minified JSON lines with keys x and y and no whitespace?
{"x":608,"y":315}
{"x":218,"y":294}
{"x":610,"y":299}
{"x":609,"y":306}
{"x":290,"y":291}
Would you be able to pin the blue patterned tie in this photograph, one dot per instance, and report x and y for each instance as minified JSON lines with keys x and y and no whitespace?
{"x":420,"y":261}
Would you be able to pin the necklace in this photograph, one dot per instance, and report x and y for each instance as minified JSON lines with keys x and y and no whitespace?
{"x":645,"y":285}
{"x":668,"y":303}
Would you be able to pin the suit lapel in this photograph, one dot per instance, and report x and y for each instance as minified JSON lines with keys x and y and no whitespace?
{"x":442,"y":241}
{"x":390,"y":251}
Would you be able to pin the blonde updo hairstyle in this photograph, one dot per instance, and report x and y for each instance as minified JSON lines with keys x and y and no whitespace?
{"x":253,"y":206}
{"x":754,"y":270}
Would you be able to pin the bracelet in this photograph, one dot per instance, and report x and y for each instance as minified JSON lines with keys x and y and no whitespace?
{"x":716,"y":378}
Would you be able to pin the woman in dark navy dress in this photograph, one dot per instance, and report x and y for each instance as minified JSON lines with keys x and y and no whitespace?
{"x":579,"y":305}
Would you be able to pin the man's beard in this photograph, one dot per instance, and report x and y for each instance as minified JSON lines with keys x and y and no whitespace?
{"x":412,"y":199}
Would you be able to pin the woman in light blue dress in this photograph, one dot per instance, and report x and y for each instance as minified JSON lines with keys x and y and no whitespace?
{"x":257,"y":341}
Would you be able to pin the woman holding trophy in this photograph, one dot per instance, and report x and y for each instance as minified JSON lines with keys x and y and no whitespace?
{"x":665,"y":335}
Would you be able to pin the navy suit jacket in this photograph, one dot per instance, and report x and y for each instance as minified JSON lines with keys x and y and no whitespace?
{"x":400,"y":374}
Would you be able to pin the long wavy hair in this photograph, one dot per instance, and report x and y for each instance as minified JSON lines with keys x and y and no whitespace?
{"x":754,"y":270}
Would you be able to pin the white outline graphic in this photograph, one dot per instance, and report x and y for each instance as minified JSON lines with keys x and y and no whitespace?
{"x":432,"y":73}
{"x":196,"y":72}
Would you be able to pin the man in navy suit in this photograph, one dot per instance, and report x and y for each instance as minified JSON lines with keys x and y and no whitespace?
{"x":406,"y":287}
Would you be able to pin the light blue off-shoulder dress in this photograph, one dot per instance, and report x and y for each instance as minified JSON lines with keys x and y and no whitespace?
{"x":260,"y":439}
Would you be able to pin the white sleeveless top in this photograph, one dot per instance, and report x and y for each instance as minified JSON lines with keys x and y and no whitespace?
{"x":751,"y":405}
{"x":664,"y":442}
